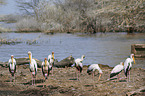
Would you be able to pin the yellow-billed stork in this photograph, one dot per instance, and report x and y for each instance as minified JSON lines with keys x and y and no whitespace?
{"x":92,"y":68}
{"x":33,"y":67}
{"x":45,"y":69}
{"x":116,"y":70}
{"x":79,"y":65}
{"x":12,"y":67}
{"x":128,"y":64}
{"x":51,"y":61}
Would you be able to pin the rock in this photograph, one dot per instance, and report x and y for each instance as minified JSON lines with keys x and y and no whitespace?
{"x":67,"y":62}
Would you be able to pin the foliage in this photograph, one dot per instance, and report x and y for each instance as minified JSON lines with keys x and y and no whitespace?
{"x":2,"y":2}
{"x":28,"y":24}
{"x":86,"y":15}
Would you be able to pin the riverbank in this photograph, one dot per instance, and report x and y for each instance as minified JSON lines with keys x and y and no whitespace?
{"x":64,"y":83}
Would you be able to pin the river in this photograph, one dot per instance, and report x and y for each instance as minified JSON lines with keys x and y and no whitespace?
{"x":108,"y":48}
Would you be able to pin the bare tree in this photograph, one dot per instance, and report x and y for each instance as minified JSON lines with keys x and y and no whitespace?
{"x":85,"y":15}
{"x":29,"y":6}
{"x":2,"y":2}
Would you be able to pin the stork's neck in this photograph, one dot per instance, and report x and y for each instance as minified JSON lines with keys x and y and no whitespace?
{"x":131,"y":58}
{"x":82,"y":58}
{"x":53,"y":57}
{"x":12,"y":60}
{"x":30,"y":57}
{"x":45,"y":61}
{"x":100,"y":71}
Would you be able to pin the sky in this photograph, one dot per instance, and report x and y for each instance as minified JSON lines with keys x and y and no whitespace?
{"x":9,"y":8}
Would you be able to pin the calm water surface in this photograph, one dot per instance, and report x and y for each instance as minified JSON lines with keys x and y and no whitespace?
{"x":110,"y":48}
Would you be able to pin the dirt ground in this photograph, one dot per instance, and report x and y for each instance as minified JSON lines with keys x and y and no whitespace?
{"x":64,"y":83}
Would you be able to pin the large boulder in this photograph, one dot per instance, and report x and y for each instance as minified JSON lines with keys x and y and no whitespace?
{"x":67,"y":62}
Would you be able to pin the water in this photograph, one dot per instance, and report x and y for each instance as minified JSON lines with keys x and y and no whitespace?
{"x":110,"y":48}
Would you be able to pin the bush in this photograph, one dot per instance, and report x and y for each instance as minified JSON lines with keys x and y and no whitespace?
{"x":28,"y":24}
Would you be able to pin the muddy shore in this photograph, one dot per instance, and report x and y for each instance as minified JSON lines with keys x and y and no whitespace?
{"x":64,"y":83}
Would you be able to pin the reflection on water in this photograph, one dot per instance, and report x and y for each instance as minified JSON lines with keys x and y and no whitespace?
{"x":110,"y":48}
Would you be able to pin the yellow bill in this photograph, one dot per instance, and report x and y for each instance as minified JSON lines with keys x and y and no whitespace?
{"x":134,"y":59}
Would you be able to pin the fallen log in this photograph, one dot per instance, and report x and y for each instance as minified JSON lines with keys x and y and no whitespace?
{"x":67,"y":62}
{"x":21,"y":61}
{"x":135,"y":92}
{"x":138,"y":50}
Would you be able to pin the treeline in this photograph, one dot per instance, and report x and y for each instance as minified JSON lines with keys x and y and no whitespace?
{"x":81,"y":15}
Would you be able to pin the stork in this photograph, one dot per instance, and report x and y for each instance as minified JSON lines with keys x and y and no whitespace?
{"x":79,"y":65}
{"x":116,"y":70}
{"x":33,"y":67}
{"x":92,"y":68}
{"x":45,"y":69}
{"x":128,"y":65}
{"x":12,"y":67}
{"x":51,"y":61}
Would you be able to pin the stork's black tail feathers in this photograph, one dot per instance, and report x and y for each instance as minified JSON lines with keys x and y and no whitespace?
{"x":79,"y":68}
{"x":89,"y":72}
{"x":114,"y":74}
{"x":12,"y":73}
{"x":126,"y":71}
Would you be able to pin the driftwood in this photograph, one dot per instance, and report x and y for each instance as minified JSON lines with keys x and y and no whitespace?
{"x":138,"y":50}
{"x":67,"y":62}
{"x":22,"y":61}
{"x":135,"y":92}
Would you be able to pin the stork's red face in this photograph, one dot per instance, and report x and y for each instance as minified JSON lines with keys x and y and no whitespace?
{"x":52,"y":52}
{"x":12,"y":56}
{"x":53,"y":55}
{"x":122,"y":63}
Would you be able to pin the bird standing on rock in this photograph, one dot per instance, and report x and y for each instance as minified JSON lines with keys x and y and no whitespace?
{"x":128,"y":64}
{"x":12,"y":67}
{"x":33,"y":67}
{"x":116,"y":70}
{"x":51,"y":61}
{"x":45,"y":69}
{"x":92,"y":68}
{"x":79,"y":65}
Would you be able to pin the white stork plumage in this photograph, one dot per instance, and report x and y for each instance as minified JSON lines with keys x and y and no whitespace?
{"x":127,"y":65}
{"x":12,"y":67}
{"x":79,"y":65}
{"x":116,"y":70}
{"x":33,"y":67}
{"x":51,"y":61}
{"x":92,"y":68}
{"x":45,"y":69}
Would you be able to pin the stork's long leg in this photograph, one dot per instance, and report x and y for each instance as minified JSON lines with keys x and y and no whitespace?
{"x":129,"y":75}
{"x":34,"y":81}
{"x":32,"y":77}
{"x":77,"y":73}
{"x":52,"y":69}
{"x":93,"y":79}
{"x":93,"y":76}
{"x":14,"y":77}
{"x":11,"y":78}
